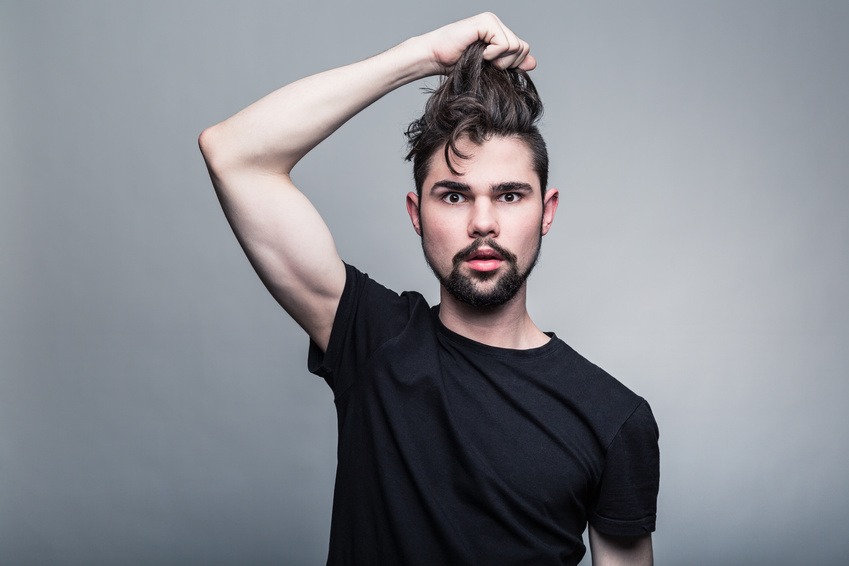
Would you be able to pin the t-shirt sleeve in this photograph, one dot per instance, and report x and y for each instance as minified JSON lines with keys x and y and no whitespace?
{"x":368,"y":315}
{"x":626,"y":499}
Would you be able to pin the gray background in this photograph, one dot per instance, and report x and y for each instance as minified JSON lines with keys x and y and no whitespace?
{"x":154,"y":401}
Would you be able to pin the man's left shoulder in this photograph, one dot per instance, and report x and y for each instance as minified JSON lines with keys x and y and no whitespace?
{"x":603,"y":395}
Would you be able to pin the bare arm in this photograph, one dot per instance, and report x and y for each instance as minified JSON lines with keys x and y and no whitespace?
{"x":620,"y":551}
{"x":250,"y":157}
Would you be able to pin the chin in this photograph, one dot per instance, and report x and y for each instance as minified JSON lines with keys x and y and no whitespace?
{"x":501,"y":287}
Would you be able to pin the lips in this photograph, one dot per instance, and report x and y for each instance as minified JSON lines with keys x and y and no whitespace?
{"x":485,"y":259}
{"x":484,"y":254}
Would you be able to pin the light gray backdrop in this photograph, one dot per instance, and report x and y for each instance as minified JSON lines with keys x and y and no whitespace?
{"x":155,"y":407}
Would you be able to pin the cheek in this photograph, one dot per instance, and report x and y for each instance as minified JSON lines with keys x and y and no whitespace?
{"x":531,"y":235}
{"x":525,"y":226}
{"x":439,"y":244}
{"x":434,"y":240}
{"x":438,"y":227}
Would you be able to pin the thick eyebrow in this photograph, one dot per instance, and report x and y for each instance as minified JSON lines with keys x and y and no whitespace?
{"x":451,"y":186}
{"x":506,"y":187}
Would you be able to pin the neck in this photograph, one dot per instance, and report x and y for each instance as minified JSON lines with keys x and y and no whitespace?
{"x":505,"y":326}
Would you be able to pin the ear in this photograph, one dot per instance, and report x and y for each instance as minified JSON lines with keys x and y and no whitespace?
{"x":549,"y":207}
{"x":413,"y":211}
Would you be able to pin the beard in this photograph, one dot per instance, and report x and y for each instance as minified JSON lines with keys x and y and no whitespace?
{"x":465,"y":288}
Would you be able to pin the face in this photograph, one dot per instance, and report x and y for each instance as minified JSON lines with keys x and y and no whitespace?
{"x":481,"y":230}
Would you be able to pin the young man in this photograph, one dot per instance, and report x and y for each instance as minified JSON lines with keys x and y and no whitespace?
{"x":466,"y":434}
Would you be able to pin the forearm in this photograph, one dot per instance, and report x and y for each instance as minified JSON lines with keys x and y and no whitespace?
{"x":275,"y":132}
{"x":271,"y":135}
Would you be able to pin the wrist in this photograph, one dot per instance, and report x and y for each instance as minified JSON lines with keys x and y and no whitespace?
{"x":416,"y":59}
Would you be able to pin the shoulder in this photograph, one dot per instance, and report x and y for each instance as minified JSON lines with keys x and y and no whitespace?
{"x":606,"y":401}
{"x":368,"y":317}
{"x":597,"y":381}
{"x":362,"y":295}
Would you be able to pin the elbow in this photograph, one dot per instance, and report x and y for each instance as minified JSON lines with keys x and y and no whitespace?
{"x":223,"y":151}
{"x":209,"y":142}
{"x":205,"y":140}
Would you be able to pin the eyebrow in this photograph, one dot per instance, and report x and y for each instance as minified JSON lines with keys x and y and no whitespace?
{"x":506,"y":187}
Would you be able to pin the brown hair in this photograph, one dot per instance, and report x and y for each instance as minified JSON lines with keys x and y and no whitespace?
{"x":479,"y":101}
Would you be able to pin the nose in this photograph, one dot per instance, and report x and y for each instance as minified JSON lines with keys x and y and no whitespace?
{"x":483,"y":221}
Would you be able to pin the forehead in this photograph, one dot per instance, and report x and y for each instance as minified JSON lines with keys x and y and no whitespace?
{"x":496,"y":160}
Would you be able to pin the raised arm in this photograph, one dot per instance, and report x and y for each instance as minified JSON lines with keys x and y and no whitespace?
{"x":251,"y":155}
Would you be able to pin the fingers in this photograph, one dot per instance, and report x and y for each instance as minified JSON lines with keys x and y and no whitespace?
{"x":505,"y":50}
{"x":529,"y":63}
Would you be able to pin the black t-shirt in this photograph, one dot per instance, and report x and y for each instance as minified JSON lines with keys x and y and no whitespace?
{"x":455,"y":452}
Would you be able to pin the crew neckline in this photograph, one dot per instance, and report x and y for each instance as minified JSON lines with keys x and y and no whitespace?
{"x":465,"y":342}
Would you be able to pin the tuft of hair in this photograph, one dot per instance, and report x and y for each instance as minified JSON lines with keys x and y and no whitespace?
{"x":477,"y":100}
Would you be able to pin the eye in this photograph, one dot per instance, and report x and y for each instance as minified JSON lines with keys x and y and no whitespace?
{"x":453,"y":198}
{"x":510,"y":197}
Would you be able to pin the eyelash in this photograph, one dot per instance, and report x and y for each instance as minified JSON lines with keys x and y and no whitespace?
{"x":447,"y":198}
{"x":501,"y":198}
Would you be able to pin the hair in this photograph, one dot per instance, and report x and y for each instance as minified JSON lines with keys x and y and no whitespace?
{"x":479,"y":101}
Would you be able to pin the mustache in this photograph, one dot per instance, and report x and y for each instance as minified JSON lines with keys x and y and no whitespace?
{"x":508,"y":256}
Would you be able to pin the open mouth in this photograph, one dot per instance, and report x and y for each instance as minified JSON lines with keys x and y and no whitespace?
{"x":484,"y":259}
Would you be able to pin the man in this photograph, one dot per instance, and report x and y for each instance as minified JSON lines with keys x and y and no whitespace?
{"x":466,"y":434}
